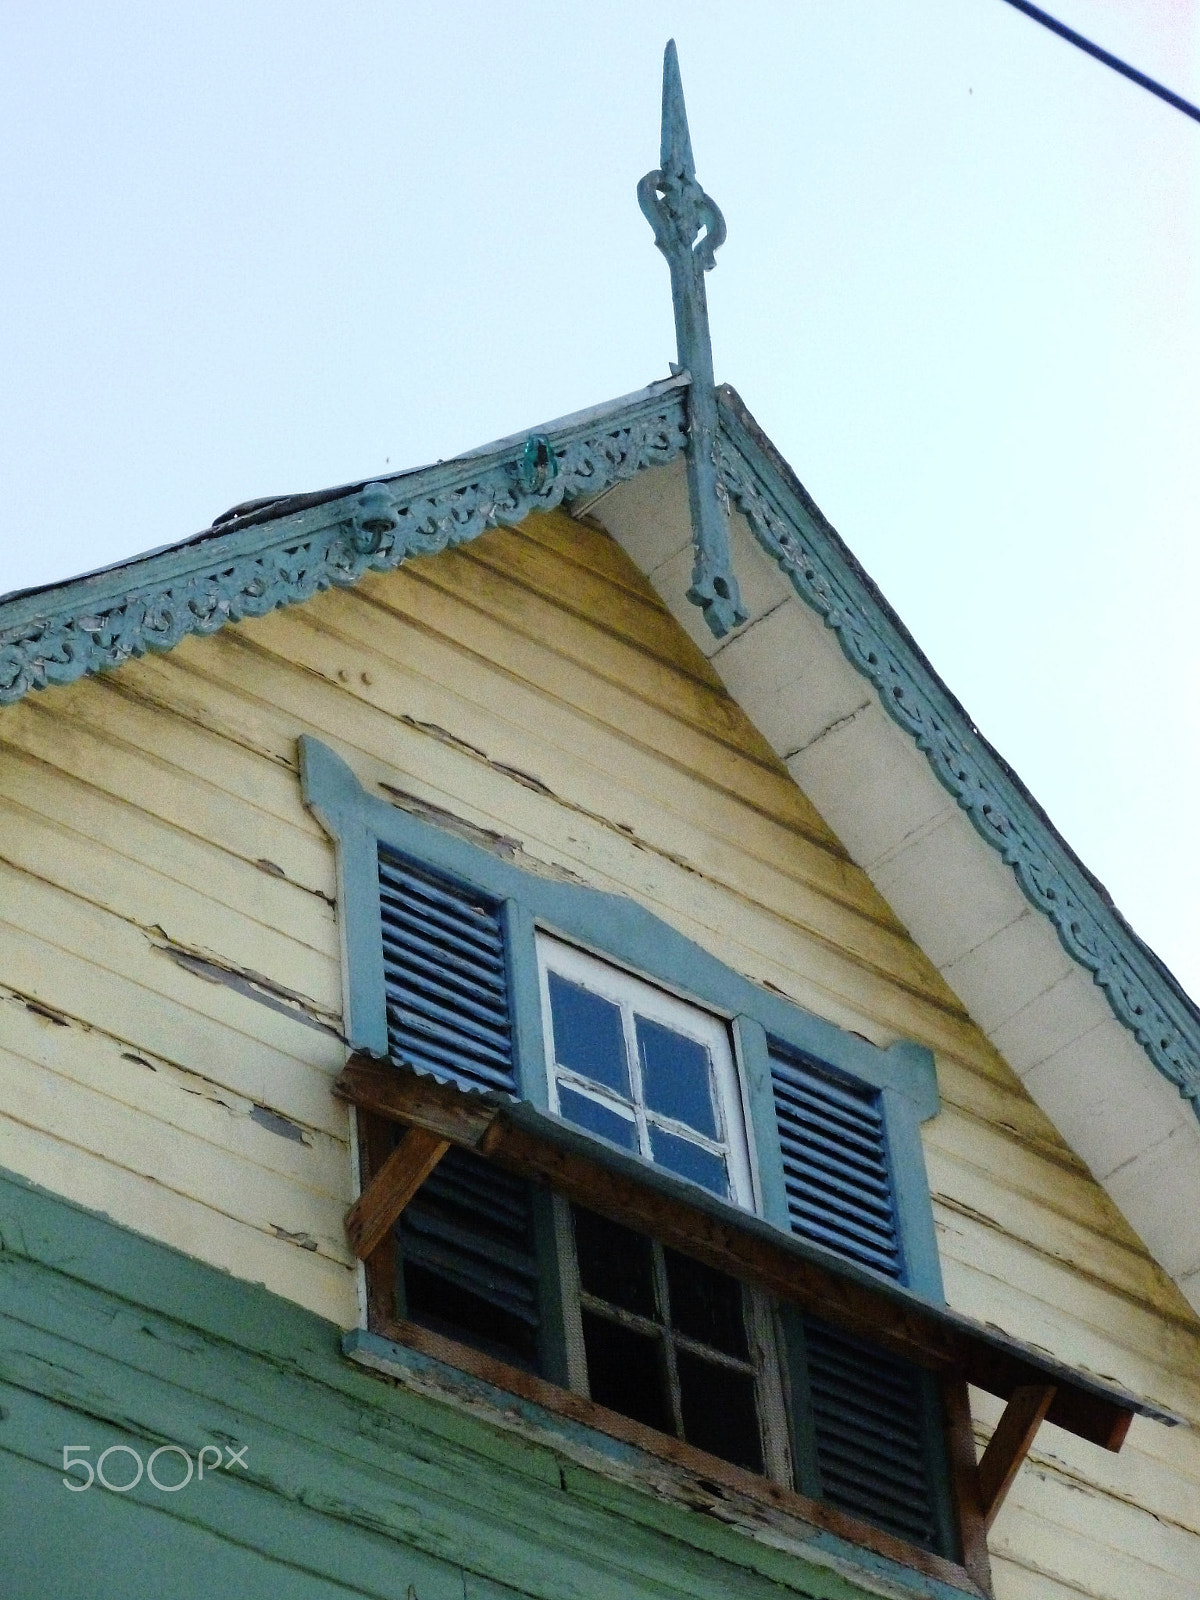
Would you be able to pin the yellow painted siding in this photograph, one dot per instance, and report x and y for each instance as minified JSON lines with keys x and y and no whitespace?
{"x":170,"y":989}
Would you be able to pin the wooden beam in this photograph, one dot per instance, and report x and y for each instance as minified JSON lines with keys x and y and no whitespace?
{"x":964,"y":1476}
{"x":1010,"y":1443}
{"x":371,"y":1217}
{"x":401,"y":1096}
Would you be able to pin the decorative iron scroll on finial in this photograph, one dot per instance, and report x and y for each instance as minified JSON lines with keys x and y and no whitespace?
{"x":677,"y":208}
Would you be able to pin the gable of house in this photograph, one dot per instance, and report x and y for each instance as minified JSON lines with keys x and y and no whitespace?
{"x":172,"y":1021}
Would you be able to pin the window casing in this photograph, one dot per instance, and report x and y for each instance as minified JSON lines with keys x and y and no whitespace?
{"x":465,"y":967}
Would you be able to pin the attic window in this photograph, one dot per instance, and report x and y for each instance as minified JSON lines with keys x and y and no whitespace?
{"x":566,"y":1214}
{"x":650,"y":1073}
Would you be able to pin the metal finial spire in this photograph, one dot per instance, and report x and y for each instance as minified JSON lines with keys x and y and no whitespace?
{"x":677,"y":208}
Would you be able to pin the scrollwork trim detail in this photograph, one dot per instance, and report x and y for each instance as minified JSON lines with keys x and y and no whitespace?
{"x":1090,"y":929}
{"x":198,"y":588}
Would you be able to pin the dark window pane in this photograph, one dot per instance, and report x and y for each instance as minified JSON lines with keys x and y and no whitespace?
{"x":588,"y":1037}
{"x":689,"y":1161}
{"x":719,"y":1411}
{"x":587,"y":1113}
{"x":677,"y":1076}
{"x":447,"y":1308}
{"x":615,"y":1264}
{"x":706,"y":1305}
{"x":625,"y":1372}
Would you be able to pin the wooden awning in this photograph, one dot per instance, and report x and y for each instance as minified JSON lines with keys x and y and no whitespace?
{"x":531,"y":1143}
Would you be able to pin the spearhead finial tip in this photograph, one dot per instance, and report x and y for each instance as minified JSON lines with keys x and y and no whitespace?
{"x":675,"y":155}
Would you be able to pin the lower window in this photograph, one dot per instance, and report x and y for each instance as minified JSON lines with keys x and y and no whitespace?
{"x":494,"y":1262}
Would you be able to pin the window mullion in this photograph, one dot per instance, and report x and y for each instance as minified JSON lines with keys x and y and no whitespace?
{"x":766,"y":1351}
{"x":634,"y":1059}
{"x":663,"y":1295}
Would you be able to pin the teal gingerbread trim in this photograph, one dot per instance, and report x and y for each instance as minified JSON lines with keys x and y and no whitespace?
{"x":1142,"y":993}
{"x":279,"y":552}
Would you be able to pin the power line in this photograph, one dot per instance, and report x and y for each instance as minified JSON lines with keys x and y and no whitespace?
{"x":1115,"y":62}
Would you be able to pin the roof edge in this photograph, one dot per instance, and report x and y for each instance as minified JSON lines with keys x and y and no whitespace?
{"x":284,"y":551}
{"x":1143,"y":994}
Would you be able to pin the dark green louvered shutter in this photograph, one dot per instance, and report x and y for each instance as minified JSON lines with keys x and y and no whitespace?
{"x":445,"y":977}
{"x":469,"y":1257}
{"x":872,"y":1445}
{"x":876,"y":1454}
{"x":466,"y":1239}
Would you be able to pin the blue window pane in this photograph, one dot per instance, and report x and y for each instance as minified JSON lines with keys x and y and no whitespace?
{"x":676,"y":1076}
{"x":588,"y":1037}
{"x":597,"y":1118}
{"x":690,"y":1161}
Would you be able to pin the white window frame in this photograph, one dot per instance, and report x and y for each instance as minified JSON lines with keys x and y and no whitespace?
{"x":635,"y":995}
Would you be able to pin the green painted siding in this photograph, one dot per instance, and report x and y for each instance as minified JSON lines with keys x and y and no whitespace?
{"x":354,"y":1485}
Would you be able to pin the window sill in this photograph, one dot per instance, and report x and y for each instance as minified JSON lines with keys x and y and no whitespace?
{"x":642,"y":1458}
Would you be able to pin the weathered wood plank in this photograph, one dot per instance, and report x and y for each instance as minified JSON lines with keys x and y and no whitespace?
{"x":161,"y":1023}
{"x":169,"y":1158}
{"x":466,"y":581}
{"x":185,"y":797}
{"x":1101,"y":1333}
{"x":620,"y":729}
{"x":830,"y":923}
{"x":586,"y":544}
{"x":1010,"y":1444}
{"x":373,"y":1215}
{"x":130,"y":889}
{"x":268,"y":1134}
{"x":1033,"y":1208}
{"x":576,"y":587}
{"x":552,"y":814}
{"x":258,"y":890}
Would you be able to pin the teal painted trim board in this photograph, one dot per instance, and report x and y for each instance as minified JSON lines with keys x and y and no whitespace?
{"x":352,"y":1485}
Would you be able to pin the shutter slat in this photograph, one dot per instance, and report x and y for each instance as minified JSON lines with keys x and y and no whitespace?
{"x":413,"y":882}
{"x":466,"y":977}
{"x":793,"y":1069}
{"x":836,"y":1173}
{"x":827,"y":1131}
{"x":869,"y":1429}
{"x":445,"y":979}
{"x":871,"y":1185}
{"x":439,"y":928}
{"x":861,"y":1220}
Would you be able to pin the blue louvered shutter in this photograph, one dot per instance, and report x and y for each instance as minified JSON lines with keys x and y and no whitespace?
{"x":835,"y":1163}
{"x":445,"y":976}
{"x":872,"y":1444}
{"x":466,"y":1240}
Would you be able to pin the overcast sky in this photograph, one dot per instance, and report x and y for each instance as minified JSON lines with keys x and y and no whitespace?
{"x":255,"y":248}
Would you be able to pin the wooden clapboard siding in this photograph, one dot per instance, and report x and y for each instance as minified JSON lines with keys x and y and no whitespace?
{"x":532,"y":686}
